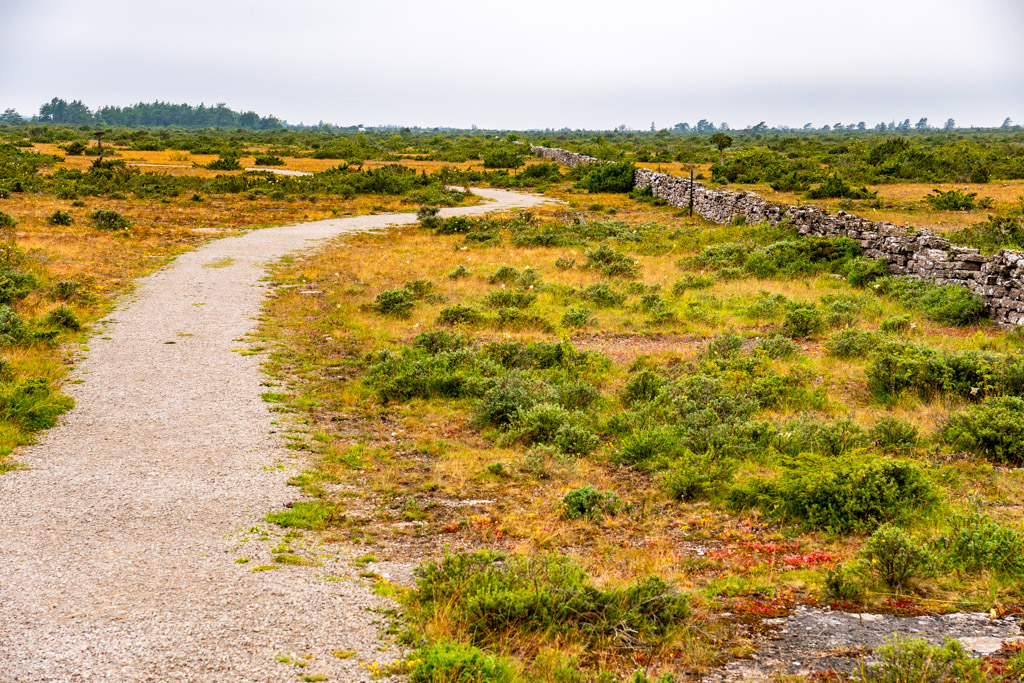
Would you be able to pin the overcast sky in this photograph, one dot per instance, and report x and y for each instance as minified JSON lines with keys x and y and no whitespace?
{"x":529,"y":63}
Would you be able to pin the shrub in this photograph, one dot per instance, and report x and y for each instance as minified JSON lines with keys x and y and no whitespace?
{"x":451,"y":662}
{"x":539,"y":423}
{"x":803,"y":320}
{"x":767,"y":306}
{"x":611,"y":263}
{"x":504,"y":298}
{"x":12,"y":327}
{"x":459,"y":272}
{"x":644,"y":386}
{"x":976,"y":542}
{"x":416,"y":373}
{"x":509,"y":395}
{"x":777,"y":346}
{"x":268,"y":160}
{"x":834,"y":187}
{"x":946,"y":304}
{"x":107,"y":219}
{"x":496,"y":597}
{"x":504,"y":274}
{"x":7,"y":221}
{"x":725,"y":345}
{"x":603,"y":296}
{"x":645,"y":447}
{"x":456,"y":225}
{"x":689,"y":282}
{"x":225,"y":162}
{"x":577,"y":317}
{"x":897,"y":324}
{"x":808,"y":434}
{"x":894,"y":556}
{"x":395,"y":302}
{"x":609,"y":178}
{"x":32,"y":405}
{"x":428,"y":217}
{"x":575,"y":439}
{"x":953,"y":200}
{"x":852,"y":343}
{"x":862,"y":272}
{"x":692,"y":477}
{"x":64,"y":317}
{"x":589,"y":503}
{"x":459,"y":314}
{"x":65,"y":290}
{"x":843,"y":496}
{"x":15,"y":286}
{"x":842,"y":583}
{"x":993,"y":429}
{"x":893,"y":435}
{"x":565,"y":263}
{"x":59,"y":217}
{"x":906,"y":660}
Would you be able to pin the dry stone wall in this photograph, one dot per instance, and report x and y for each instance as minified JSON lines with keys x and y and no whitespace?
{"x":998,"y":279}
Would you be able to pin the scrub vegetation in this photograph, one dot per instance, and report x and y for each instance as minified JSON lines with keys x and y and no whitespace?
{"x":614,"y":437}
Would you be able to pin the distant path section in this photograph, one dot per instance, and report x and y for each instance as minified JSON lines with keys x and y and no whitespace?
{"x":119,"y":547}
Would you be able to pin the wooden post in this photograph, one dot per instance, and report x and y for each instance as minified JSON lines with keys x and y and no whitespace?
{"x":691,"y":191}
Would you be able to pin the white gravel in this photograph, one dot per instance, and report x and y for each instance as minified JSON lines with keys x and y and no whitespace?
{"x":118,"y":547}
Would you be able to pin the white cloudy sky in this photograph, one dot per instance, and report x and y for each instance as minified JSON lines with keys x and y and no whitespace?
{"x":529,"y":63}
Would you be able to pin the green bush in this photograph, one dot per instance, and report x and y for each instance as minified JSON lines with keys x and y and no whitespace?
{"x":268,"y":160}
{"x":451,"y":662}
{"x":428,"y":217}
{"x":803,"y":320}
{"x":809,"y":434}
{"x":914,"y":660}
{"x":65,"y":290}
{"x":946,"y":304}
{"x":589,"y":503}
{"x":12,"y":327}
{"x":459,"y":314}
{"x":609,"y":178}
{"x":507,"y":298}
{"x":863,"y":272}
{"x":63,"y":317}
{"x":539,"y":423}
{"x":225,"y":162}
{"x":602,"y":295}
{"x":689,"y":282}
{"x":852,"y":343}
{"x":897,"y":324}
{"x":509,"y":395}
{"x":644,"y":386}
{"x":107,"y":219}
{"x":955,"y":200}
{"x":893,"y":435}
{"x":993,"y":429}
{"x":59,"y":217}
{"x":15,"y":286}
{"x":504,"y":274}
{"x":842,"y":496}
{"x":976,"y":542}
{"x":417,"y":373}
{"x":496,"y":598}
{"x":577,"y":317}
{"x":835,"y":187}
{"x":611,"y":263}
{"x":693,"y":477}
{"x":395,"y":302}
{"x":7,"y":221}
{"x":777,"y":346}
{"x":32,"y":405}
{"x":459,"y":272}
{"x":895,"y":557}
{"x":842,"y":583}
{"x":646,"y":446}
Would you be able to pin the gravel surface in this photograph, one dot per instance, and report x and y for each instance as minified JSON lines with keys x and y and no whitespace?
{"x":119,"y":548}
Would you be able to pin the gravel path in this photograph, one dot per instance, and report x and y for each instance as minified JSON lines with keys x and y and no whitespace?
{"x":119,"y":548}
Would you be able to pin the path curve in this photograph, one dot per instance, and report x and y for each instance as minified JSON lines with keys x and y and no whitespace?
{"x":118,"y":547}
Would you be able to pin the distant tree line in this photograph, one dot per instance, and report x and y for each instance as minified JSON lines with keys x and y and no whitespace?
{"x":155,"y":114}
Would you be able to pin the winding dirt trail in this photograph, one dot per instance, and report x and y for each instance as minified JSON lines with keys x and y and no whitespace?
{"x":118,"y":547}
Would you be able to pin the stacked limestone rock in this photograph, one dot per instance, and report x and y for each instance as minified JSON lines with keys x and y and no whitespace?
{"x":998,"y":279}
